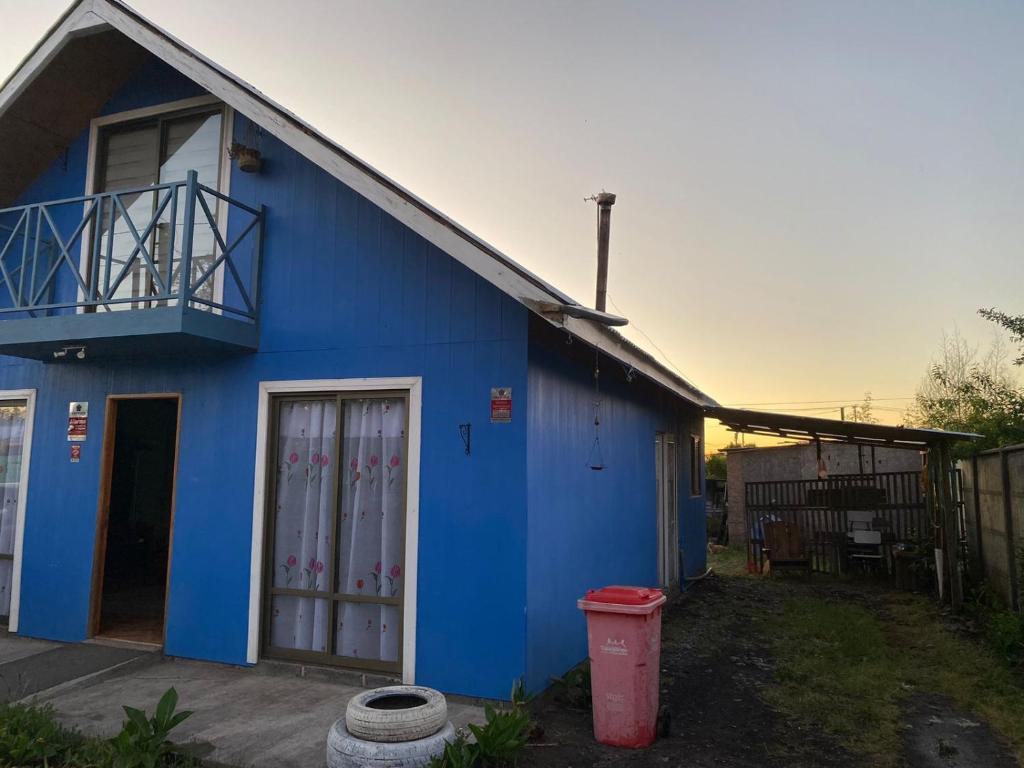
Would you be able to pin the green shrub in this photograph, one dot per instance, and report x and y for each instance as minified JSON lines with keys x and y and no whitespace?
{"x":1005,"y":633}
{"x":457,"y":754}
{"x":500,"y":740}
{"x":498,"y":743}
{"x":143,"y":742}
{"x":30,"y":736}
{"x":573,"y":688}
{"x":1003,"y":629}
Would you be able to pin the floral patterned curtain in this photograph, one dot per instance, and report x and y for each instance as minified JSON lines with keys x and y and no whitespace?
{"x":372,"y":515}
{"x":302,"y":533}
{"x":367,"y":558}
{"x":12,"y":432}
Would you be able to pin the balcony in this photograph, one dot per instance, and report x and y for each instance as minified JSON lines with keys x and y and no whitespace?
{"x":169,"y":268}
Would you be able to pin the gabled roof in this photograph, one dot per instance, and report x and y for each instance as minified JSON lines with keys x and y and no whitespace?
{"x":90,"y":17}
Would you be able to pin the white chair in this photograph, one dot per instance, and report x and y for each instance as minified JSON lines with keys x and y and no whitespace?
{"x":867,"y":548}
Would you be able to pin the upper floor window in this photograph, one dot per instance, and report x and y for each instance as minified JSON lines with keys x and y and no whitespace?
{"x":138,"y":156}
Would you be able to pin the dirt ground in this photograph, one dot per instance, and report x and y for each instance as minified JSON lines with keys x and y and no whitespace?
{"x":715,"y":661}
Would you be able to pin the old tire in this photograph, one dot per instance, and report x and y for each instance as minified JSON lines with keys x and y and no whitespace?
{"x":346,"y":751}
{"x":396,"y":713}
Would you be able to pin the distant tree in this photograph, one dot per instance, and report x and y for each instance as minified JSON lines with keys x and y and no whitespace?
{"x":1012,"y":323}
{"x":862,"y":413}
{"x":967,"y":392}
{"x":715,"y":466}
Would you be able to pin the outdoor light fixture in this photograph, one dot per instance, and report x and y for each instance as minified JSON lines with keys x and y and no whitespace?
{"x":80,"y":354}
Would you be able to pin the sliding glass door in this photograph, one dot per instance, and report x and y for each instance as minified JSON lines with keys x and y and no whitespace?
{"x":336,"y":511}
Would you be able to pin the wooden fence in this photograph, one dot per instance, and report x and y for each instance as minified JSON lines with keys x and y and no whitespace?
{"x":828,"y":510}
{"x":994,"y":519}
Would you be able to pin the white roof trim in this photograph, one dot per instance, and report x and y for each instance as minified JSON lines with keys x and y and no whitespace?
{"x":465,"y":247}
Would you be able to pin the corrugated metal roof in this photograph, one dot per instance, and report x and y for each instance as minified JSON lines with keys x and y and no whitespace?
{"x":831,"y":430}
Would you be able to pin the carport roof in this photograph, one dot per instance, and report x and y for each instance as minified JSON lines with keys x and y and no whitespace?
{"x":831,"y":430}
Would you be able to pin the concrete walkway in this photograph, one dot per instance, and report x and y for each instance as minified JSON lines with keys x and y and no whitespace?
{"x":28,"y":666}
{"x":267,"y":717}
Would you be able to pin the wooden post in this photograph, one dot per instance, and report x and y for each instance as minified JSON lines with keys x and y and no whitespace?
{"x":1011,"y":548}
{"x":950,"y":526}
{"x":979,"y":532}
{"x":934,"y":517}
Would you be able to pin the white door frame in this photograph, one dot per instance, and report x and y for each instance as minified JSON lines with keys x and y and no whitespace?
{"x":29,"y":396}
{"x":667,"y":505}
{"x":414,"y":386}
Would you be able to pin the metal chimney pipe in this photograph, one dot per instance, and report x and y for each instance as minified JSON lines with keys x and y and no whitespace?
{"x":605,"y":201}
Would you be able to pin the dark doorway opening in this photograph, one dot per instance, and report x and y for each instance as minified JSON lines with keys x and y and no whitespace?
{"x":141,"y":448}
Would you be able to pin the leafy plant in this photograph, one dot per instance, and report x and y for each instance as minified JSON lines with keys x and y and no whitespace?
{"x":1005,"y":633}
{"x":143,"y":742}
{"x":498,"y":743}
{"x":1012,"y":323}
{"x":573,"y":688}
{"x":30,"y":736}
{"x":460,"y":753}
{"x":503,"y":737}
{"x":519,"y":697}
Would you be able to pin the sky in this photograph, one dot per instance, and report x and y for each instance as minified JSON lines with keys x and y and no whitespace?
{"x":809,"y":193}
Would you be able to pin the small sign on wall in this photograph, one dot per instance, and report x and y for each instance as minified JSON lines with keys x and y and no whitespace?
{"x":76,"y":453}
{"x":501,"y":405}
{"x":78,"y":421}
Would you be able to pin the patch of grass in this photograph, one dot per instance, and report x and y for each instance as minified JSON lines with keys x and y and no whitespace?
{"x":728,"y":561}
{"x":846,"y":667}
{"x":970,"y":673}
{"x":835,"y":670}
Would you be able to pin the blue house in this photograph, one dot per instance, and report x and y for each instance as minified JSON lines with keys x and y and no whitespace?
{"x":259,"y":401}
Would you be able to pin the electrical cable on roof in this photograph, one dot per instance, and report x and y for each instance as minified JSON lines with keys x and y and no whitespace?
{"x":640,"y":330}
{"x":841,"y":401}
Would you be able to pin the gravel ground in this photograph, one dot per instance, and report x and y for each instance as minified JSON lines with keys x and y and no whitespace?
{"x":714,"y":662}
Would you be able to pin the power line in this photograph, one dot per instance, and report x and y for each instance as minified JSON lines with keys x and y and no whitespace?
{"x":841,"y":401}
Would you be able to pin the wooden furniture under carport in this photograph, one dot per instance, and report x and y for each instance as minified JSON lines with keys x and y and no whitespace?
{"x":784,"y":548}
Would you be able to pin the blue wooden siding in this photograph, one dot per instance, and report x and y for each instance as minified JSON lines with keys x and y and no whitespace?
{"x":349,"y":292}
{"x":587,"y":528}
{"x":154,"y":83}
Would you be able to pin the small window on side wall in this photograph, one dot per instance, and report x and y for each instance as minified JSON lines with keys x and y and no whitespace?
{"x":695,"y":465}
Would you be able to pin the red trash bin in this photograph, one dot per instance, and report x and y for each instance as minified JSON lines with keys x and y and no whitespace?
{"x":624,"y":635}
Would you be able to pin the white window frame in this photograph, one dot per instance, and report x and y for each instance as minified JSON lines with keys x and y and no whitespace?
{"x":412,"y":385}
{"x":696,"y":459}
{"x":29,"y":396}
{"x":227,"y":133}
